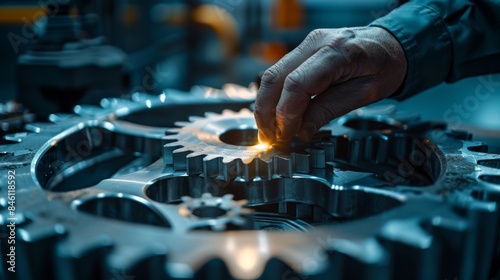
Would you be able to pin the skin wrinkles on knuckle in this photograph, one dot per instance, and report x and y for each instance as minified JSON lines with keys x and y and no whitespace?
{"x":316,"y":36}
{"x":270,"y":76}
{"x":293,"y":83}
{"x":348,"y":33}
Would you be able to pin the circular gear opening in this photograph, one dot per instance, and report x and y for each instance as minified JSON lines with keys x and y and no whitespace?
{"x":208,"y":212}
{"x":240,"y":137}
{"x":121,"y":208}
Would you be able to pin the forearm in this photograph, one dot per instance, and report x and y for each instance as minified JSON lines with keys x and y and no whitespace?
{"x":445,"y":40}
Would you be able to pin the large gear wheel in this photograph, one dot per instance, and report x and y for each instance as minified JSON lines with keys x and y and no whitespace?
{"x":398,"y":199}
{"x":225,"y":146}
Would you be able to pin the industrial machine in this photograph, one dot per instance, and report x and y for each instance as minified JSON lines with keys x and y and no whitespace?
{"x":138,"y":172}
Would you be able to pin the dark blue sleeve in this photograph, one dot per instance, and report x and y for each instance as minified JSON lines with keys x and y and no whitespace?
{"x":445,"y":40}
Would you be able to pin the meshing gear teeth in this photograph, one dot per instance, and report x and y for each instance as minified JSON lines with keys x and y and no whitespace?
{"x":205,"y":146}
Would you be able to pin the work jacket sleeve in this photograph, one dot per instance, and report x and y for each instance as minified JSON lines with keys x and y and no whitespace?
{"x":445,"y":40}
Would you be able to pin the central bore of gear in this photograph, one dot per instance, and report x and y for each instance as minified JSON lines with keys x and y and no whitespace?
{"x":240,"y":137}
{"x":208,"y":212}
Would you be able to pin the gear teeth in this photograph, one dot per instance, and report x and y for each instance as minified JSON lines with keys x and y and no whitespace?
{"x":137,"y":265}
{"x":211,"y":166}
{"x":141,"y":97}
{"x":115,"y":103}
{"x":36,"y":127}
{"x":84,"y":263}
{"x":317,"y":158}
{"x":168,"y":152}
{"x":194,"y":163}
{"x":275,"y":269}
{"x":366,"y":260}
{"x":171,"y":137}
{"x":229,"y":169}
{"x":194,"y":118}
{"x":59,"y":117}
{"x":35,"y":251}
{"x":211,"y":114}
{"x":87,"y":110}
{"x":301,"y":163}
{"x":257,"y":168}
{"x":382,"y":150}
{"x":329,"y":150}
{"x":181,"y":123}
{"x":17,"y":137}
{"x":213,"y":269}
{"x":172,"y":130}
{"x":354,"y":151}
{"x":175,"y":154}
{"x":484,"y":233}
{"x":420,"y":249}
{"x":283,"y":166}
{"x":180,"y":160}
{"x":264,"y":168}
{"x":227,"y":112}
{"x":239,"y":221}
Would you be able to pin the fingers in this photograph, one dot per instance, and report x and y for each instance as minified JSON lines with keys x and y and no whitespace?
{"x":312,"y":77}
{"x":336,"y":101}
{"x":272,"y":82}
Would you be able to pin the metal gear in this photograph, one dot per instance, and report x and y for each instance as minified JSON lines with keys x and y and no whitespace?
{"x":214,"y":212}
{"x":405,"y":199}
{"x":225,"y":146}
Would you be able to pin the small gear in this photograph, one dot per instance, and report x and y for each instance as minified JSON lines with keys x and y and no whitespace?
{"x":225,"y":146}
{"x":214,"y":212}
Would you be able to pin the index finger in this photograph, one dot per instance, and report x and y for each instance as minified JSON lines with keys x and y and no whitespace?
{"x":326,"y":67}
{"x":272,"y":82}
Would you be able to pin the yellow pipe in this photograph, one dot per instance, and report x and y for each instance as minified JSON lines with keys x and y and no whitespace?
{"x":20,"y":14}
{"x":223,"y":24}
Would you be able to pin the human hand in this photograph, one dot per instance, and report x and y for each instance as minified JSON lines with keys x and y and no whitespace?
{"x":332,"y":72}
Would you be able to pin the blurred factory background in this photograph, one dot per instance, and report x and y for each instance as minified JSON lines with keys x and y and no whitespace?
{"x":58,"y":53}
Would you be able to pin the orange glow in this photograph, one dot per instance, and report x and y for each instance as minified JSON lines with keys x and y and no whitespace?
{"x":287,"y":14}
{"x":247,"y":258}
{"x":262,"y":146}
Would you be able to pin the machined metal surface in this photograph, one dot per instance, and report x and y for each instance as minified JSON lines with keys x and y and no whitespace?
{"x":393,"y":197}
{"x":225,"y":146}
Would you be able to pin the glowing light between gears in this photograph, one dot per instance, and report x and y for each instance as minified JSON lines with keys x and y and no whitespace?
{"x":247,"y":258}
{"x":262,"y":147}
